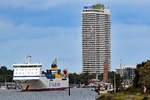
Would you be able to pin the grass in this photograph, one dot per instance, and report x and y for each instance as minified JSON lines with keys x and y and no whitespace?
{"x":124,"y":96}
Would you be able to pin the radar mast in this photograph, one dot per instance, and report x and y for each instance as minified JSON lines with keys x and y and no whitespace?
{"x":27,"y":61}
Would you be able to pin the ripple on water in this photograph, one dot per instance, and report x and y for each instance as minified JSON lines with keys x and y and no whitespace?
{"x":76,"y":94}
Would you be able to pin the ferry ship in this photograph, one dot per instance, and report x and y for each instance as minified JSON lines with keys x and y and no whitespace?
{"x":29,"y":77}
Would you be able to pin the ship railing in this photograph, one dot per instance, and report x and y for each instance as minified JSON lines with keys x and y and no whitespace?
{"x":43,"y":75}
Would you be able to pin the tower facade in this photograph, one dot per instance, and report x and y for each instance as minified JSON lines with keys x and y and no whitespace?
{"x":95,"y":39}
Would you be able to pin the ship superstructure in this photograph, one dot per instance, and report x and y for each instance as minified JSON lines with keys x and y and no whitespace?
{"x":29,"y":77}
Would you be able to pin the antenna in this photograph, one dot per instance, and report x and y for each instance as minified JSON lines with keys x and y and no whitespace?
{"x":109,"y":4}
{"x":120,"y":62}
{"x":106,"y":3}
{"x":102,"y":1}
{"x":89,"y":3}
{"x":98,"y":1}
{"x":27,"y":61}
{"x":55,"y":61}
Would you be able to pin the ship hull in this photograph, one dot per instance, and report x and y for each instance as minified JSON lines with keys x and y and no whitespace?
{"x":43,"y":84}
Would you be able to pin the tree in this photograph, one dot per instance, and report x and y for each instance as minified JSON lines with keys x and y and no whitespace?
{"x":82,"y":78}
{"x":118,"y":80}
{"x":74,"y":78}
{"x":98,"y":6}
{"x":142,"y":75}
{"x":5,"y":74}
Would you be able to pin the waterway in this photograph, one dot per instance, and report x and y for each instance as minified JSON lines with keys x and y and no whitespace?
{"x":76,"y":94}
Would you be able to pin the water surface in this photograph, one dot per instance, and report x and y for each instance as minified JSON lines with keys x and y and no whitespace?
{"x":76,"y":94}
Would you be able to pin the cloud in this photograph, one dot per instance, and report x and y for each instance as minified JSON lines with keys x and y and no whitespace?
{"x":27,"y":33}
{"x":44,"y":50}
{"x":36,"y":4}
{"x":31,"y":4}
{"x":46,"y":4}
{"x":9,"y":28}
{"x":43,"y":43}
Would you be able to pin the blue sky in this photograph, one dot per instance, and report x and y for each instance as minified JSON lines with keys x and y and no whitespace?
{"x":46,"y":29}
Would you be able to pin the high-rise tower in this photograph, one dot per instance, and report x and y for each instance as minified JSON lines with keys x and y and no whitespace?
{"x":95,"y":38}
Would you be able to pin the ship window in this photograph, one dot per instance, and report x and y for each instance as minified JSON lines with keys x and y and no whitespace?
{"x":28,"y":66}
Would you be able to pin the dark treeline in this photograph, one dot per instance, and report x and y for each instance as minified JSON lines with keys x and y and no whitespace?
{"x":5,"y":74}
{"x":142,"y":78}
{"x":84,"y":78}
{"x":142,"y":75}
{"x":80,"y":78}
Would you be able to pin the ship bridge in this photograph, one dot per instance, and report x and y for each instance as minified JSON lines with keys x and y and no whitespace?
{"x":27,"y":71}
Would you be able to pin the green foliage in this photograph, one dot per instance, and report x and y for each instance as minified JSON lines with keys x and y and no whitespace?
{"x":124,"y":96}
{"x":136,"y":79}
{"x":118,"y":80}
{"x":81,"y":78}
{"x":85,"y":77}
{"x":5,"y":74}
{"x":105,"y":97}
{"x":142,"y":75}
{"x":74,"y":78}
{"x":132,"y":89}
{"x":145,"y":98}
{"x":98,"y":6}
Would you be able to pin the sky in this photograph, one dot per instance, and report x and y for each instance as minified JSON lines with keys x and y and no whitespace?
{"x":49,"y":29}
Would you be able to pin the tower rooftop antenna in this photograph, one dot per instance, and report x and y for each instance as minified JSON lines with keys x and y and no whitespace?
{"x":106,"y":3}
{"x":102,"y":1}
{"x":109,"y":4}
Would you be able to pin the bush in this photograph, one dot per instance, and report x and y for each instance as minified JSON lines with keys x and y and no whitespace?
{"x":105,"y":97}
{"x":145,"y":98}
{"x":133,"y":90}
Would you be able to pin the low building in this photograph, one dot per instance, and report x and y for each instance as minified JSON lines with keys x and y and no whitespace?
{"x":127,"y":73}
